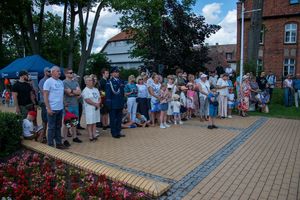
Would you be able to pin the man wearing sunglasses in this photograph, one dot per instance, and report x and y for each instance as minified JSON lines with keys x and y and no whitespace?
{"x":72,"y":93}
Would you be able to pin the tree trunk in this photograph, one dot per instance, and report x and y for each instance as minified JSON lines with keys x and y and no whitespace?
{"x":86,"y":53}
{"x":63,"y":34}
{"x":30,"y":29}
{"x":40,"y":28}
{"x":72,"y":36}
{"x":254,"y":31}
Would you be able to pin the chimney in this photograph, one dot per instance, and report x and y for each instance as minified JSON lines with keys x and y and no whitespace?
{"x":217,"y":44}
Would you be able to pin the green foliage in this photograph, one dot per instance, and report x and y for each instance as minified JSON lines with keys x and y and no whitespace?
{"x":277,"y":108}
{"x":125,"y":73}
{"x":165,"y":32}
{"x":96,"y":63}
{"x":10,"y":134}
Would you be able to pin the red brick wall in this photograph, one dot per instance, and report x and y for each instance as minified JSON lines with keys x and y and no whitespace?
{"x":273,"y":47}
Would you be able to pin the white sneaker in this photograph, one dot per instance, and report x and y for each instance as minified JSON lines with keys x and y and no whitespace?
{"x":97,"y":131}
{"x":167,"y":125}
{"x":180,"y":122}
{"x":175,"y":123}
{"x":162,"y":126}
{"x":229,"y":116}
{"x":97,"y":134}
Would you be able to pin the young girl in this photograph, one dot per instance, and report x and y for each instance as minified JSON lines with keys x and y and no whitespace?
{"x":183,"y":102}
{"x":213,"y":106}
{"x":190,"y":100}
{"x":175,"y":103}
{"x":164,"y":99}
{"x":230,"y":102}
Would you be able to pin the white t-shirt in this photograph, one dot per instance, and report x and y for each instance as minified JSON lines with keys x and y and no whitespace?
{"x":27,"y":128}
{"x":56,"y":93}
{"x":173,"y":88}
{"x":221,"y":83}
{"x":176,"y":106}
{"x":205,"y":88}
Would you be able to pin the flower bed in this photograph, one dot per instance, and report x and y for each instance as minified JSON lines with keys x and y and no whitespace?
{"x":33,"y":176}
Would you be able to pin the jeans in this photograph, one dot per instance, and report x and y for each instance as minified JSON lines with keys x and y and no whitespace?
{"x":288,"y":100}
{"x":203,"y":106}
{"x":54,"y":127}
{"x":297,"y":98}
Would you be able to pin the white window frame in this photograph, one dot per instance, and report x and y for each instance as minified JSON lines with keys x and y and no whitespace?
{"x":259,"y":66}
{"x":289,"y":63}
{"x":290,"y":33}
{"x":262,"y":35}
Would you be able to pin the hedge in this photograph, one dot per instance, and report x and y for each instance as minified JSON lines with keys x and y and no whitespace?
{"x":10,"y":133}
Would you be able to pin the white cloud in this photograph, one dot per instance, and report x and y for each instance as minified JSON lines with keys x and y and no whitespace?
{"x":106,"y":27}
{"x":211,"y":12}
{"x":227,"y":34}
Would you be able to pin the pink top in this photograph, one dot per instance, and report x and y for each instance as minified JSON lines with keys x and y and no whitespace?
{"x":190,"y":93}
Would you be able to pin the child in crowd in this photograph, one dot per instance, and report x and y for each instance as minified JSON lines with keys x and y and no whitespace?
{"x":230,"y":102}
{"x":126,"y":121}
{"x":141,"y":120}
{"x":172,"y":88}
{"x":29,"y":131}
{"x":190,"y":100}
{"x":7,"y":96}
{"x":213,"y":106}
{"x":164,"y":99}
{"x":263,"y":99}
{"x":175,"y":103}
{"x":183,"y":102}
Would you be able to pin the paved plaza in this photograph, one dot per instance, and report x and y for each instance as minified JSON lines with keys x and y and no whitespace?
{"x":246,"y":158}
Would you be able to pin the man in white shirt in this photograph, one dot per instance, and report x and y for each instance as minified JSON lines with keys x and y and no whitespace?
{"x":53,"y":97}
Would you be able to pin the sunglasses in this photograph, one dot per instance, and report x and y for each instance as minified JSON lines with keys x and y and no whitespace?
{"x":70,"y":72}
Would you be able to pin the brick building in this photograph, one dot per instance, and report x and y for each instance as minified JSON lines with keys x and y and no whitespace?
{"x":279,"y":49}
{"x":224,"y":55}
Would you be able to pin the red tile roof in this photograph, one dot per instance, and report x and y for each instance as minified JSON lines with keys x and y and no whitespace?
{"x":124,"y":35}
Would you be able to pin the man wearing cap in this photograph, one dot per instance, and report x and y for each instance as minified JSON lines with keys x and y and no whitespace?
{"x":203,"y":93}
{"x":222,"y":86}
{"x":28,"y":129}
{"x":115,"y":102}
{"x":47,"y":74}
{"x":23,"y":95}
{"x":54,"y":96}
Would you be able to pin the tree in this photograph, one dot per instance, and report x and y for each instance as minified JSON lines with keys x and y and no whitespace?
{"x":96,"y":63}
{"x":166,"y":32}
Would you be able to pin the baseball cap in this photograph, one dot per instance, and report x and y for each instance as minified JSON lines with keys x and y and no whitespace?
{"x":203,"y":76}
{"x":32,"y":113}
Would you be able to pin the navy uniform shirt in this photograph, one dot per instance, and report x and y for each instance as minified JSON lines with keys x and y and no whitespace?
{"x":115,"y":93}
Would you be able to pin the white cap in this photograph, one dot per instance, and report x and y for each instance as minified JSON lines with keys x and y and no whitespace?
{"x":203,"y":76}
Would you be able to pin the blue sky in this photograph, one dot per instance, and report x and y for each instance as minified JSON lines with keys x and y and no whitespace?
{"x":221,"y":12}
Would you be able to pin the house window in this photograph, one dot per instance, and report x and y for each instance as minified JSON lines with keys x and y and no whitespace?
{"x":228,"y":56}
{"x":294,"y":1}
{"x":289,"y":66}
{"x":290,"y":33}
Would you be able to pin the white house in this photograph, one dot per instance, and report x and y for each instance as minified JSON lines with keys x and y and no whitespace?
{"x":117,"y":50}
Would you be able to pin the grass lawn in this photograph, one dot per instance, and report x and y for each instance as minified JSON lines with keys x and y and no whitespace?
{"x":277,"y":108}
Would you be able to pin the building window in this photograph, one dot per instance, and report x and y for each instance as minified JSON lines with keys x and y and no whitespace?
{"x":259,"y":66}
{"x":294,"y":1}
{"x":289,"y":67}
{"x":290,"y":33}
{"x":262,"y":35}
{"x":228,"y":56}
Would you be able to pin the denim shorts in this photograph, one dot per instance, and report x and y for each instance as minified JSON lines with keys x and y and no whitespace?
{"x":163,"y":106}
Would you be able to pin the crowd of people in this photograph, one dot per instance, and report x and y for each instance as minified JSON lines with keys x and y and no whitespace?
{"x":142,"y":101}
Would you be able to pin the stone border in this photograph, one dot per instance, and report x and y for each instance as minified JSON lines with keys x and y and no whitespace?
{"x":147,"y":185}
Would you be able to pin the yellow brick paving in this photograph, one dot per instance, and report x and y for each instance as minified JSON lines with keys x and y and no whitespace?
{"x":266,"y":166}
{"x":170,"y":153}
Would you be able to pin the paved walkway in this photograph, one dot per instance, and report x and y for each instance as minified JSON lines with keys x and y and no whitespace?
{"x":246,"y":158}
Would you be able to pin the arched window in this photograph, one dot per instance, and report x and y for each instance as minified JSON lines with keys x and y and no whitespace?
{"x":290,"y":35}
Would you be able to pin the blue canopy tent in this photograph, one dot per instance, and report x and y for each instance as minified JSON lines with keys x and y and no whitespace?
{"x":33,"y":63}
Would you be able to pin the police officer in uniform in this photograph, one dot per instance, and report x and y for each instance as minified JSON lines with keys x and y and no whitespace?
{"x":115,"y":102}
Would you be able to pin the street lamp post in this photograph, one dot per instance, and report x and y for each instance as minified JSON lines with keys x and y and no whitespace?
{"x":242,"y":39}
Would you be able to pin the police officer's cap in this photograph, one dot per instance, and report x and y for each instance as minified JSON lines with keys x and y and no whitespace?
{"x":114,"y":69}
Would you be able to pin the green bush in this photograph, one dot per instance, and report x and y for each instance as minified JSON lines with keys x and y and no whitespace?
{"x":10,"y":132}
{"x":124,"y":73}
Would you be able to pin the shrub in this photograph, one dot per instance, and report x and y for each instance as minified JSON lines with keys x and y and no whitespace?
{"x":125,"y":73}
{"x":10,"y":132}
